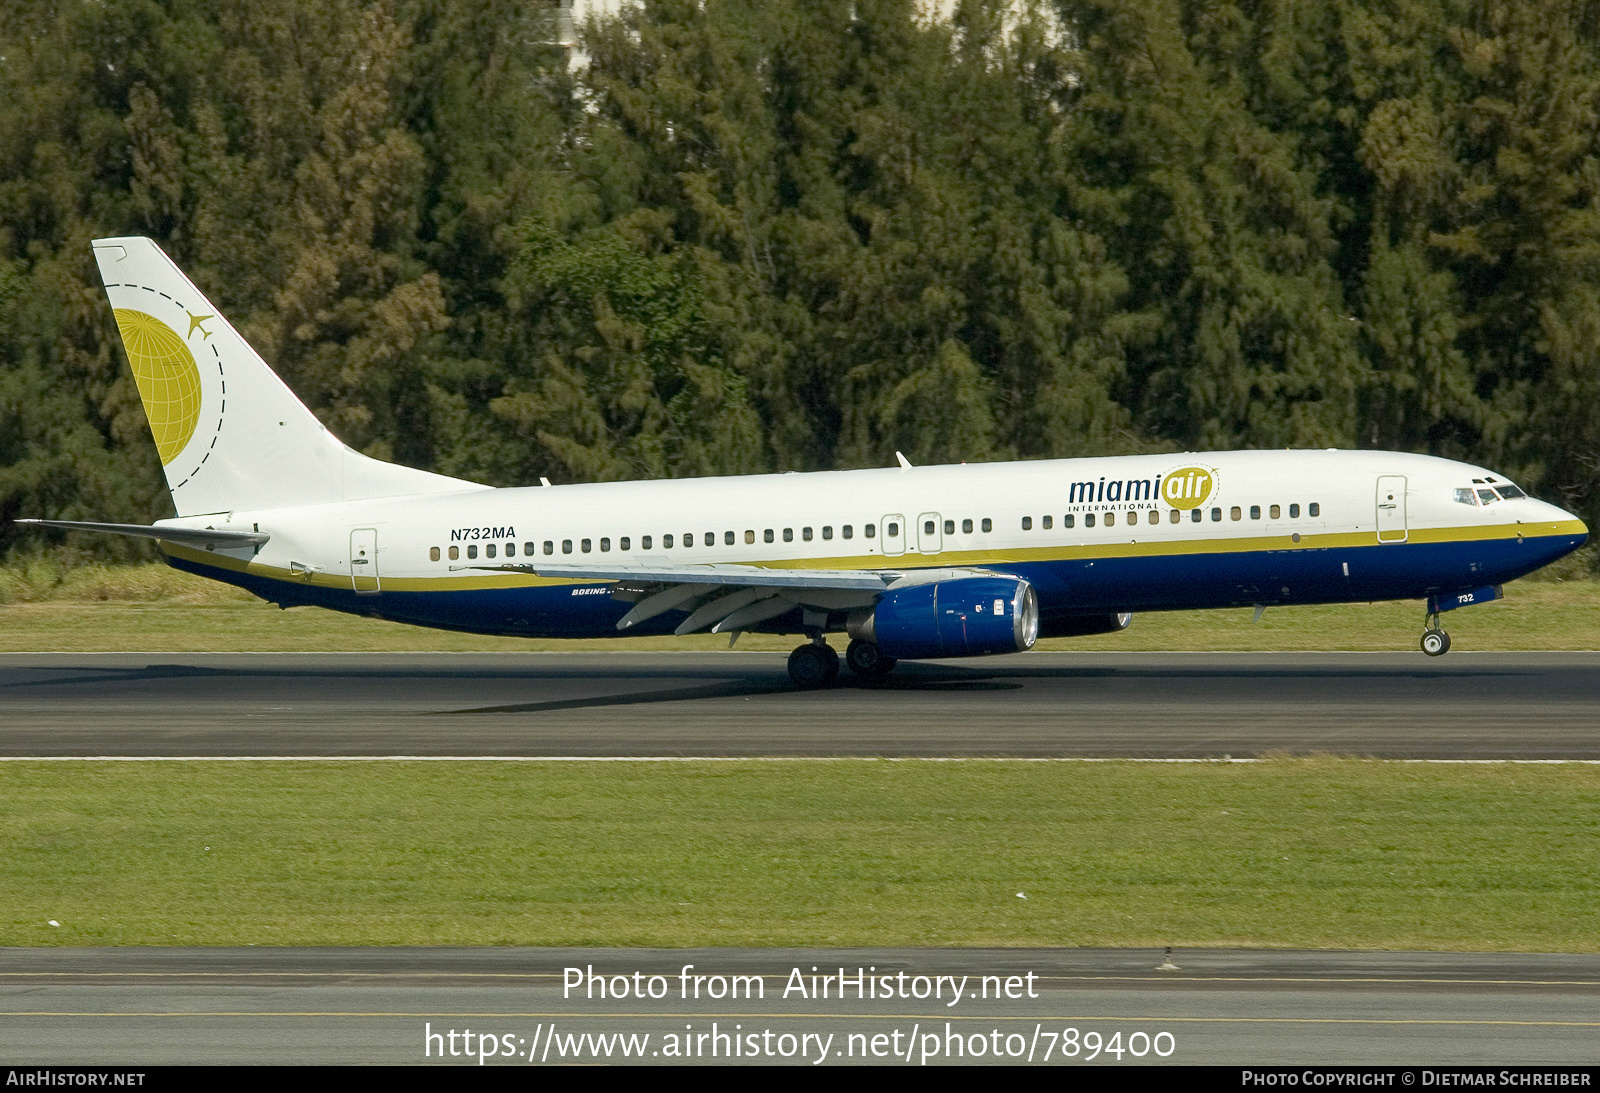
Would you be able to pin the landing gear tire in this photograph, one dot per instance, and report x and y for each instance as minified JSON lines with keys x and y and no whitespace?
{"x":813,"y":666}
{"x":1436,"y":643}
{"x":867,"y":660}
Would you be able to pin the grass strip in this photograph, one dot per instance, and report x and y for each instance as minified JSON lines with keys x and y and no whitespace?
{"x":1533,"y":616}
{"x":1316,"y":852}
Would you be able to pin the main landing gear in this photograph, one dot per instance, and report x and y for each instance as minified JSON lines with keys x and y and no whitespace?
{"x":1435,"y":641}
{"x":815,"y":664}
{"x":867,"y":660}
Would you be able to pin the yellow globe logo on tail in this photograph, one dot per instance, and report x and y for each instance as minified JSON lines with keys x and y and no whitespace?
{"x":168,"y":379}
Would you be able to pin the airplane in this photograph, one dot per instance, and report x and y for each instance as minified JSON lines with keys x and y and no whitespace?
{"x":908,"y":562}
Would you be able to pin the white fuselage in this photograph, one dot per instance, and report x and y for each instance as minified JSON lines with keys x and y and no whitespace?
{"x":1060,"y":518}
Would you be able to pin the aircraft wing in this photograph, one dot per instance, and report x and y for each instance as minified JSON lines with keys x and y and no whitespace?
{"x":754,"y":576}
{"x":722,"y":598}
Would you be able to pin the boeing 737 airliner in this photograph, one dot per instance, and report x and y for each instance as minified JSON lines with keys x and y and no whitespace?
{"x":910,"y":562}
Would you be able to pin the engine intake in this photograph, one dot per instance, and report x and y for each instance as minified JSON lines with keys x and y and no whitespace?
{"x":965,"y":617}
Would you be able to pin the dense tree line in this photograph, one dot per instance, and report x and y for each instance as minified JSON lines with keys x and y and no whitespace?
{"x":749,"y":236}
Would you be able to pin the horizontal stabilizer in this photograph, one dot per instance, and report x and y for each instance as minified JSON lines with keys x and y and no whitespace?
{"x":202,"y":537}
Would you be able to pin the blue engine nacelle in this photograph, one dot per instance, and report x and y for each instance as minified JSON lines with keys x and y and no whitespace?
{"x":965,"y":617}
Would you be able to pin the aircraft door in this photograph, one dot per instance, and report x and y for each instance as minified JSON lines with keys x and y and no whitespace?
{"x":364,"y":561}
{"x":894,"y":534}
{"x":1391,"y":508}
{"x":929,"y":538}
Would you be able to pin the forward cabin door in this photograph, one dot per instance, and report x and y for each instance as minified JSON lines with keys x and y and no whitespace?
{"x":364,"y":561}
{"x":1391,"y":508}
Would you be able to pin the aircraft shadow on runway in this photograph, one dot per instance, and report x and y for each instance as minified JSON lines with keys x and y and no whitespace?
{"x":940,"y":678}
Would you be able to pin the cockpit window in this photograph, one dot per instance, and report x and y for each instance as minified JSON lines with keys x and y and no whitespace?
{"x":1488,"y":497}
{"x":1509,"y":492}
{"x":1466,"y":496}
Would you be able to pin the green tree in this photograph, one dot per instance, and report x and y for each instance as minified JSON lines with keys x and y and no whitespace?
{"x":1218,"y":220}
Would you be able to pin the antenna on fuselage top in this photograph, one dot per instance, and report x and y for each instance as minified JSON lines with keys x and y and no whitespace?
{"x":905,"y":464}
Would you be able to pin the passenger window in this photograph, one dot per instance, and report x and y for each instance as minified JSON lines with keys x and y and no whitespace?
{"x":1255,"y":512}
{"x":1045,"y":523}
{"x":472,"y":552}
{"x":1088,"y":519}
{"x":750,"y":536}
{"x":688,"y":540}
{"x":625,"y":543}
{"x":847,"y":532}
{"x":949,"y":527}
{"x":788,"y":535}
{"x":1314,"y":509}
{"x":1027,"y":524}
{"x":644,"y":542}
{"x":766,"y":536}
{"x":1216,"y":516}
{"x":433,"y":554}
{"x":966,"y":527}
{"x":1194,"y":515}
{"x":827,"y":531}
{"x":1068,"y":520}
{"x":588,"y":545}
{"x":1294,"y":512}
{"x":666,"y":542}
{"x":805,"y":533}
{"x":1111,"y":519}
{"x":711,"y":538}
{"x":605,"y":545}
{"x":1174,"y":516}
{"x":1155,"y":517}
{"x":988,"y":525}
{"x":455,"y":552}
{"x":1235,"y":514}
{"x":727,"y":538}
{"x":1274,"y":511}
{"x":870,"y":531}
{"x":488,"y":551}
{"x":549,"y":547}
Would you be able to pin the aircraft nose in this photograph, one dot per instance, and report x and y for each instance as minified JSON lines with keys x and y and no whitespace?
{"x":1567,"y":523}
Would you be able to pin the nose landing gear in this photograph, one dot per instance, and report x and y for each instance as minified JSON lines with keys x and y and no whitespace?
{"x":1435,"y":641}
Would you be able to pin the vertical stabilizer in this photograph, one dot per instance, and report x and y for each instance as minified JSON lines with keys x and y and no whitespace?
{"x":230,"y":433}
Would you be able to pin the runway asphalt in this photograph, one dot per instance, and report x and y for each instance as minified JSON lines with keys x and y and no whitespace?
{"x":1148,"y":705}
{"x":133,"y":1007}
{"x":122,"y":1007}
